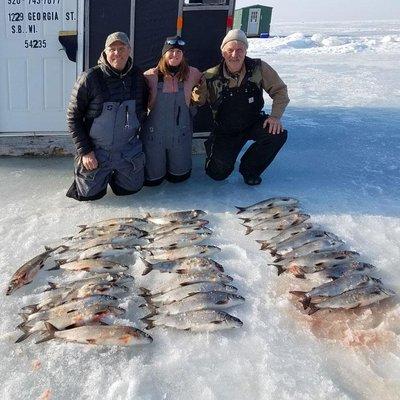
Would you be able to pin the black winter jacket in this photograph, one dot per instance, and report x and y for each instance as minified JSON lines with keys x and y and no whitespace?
{"x":96,"y":86}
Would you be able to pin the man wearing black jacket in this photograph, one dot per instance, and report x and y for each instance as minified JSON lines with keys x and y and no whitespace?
{"x":107,"y":106}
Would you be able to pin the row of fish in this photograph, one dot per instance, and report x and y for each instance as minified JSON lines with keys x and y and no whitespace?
{"x":303,"y":248}
{"x":191,"y":290}
{"x":76,"y":310}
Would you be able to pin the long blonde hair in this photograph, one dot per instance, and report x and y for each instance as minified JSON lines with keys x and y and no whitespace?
{"x":183,"y":70}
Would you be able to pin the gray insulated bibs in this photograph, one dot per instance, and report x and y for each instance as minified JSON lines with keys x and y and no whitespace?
{"x":167,"y":135}
{"x":118,"y":151}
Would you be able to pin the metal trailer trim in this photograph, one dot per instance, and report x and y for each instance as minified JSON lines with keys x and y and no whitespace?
{"x":198,"y":8}
{"x":180,"y":17}
{"x":132,"y":30}
{"x":86,"y":38}
{"x":80,"y":38}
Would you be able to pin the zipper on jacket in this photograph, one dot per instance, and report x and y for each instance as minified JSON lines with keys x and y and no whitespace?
{"x":178,"y":115}
{"x":126,"y":117}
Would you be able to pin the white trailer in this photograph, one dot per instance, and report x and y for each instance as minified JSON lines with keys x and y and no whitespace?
{"x":46,"y":44}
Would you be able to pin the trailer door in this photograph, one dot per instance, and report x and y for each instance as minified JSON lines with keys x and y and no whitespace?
{"x":254,"y":21}
{"x":36,"y":75}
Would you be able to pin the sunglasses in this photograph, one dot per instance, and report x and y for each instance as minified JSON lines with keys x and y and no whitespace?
{"x":173,"y":42}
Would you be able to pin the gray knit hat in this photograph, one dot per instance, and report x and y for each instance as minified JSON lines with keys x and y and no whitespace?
{"x":235,"y":34}
{"x":117,"y":36}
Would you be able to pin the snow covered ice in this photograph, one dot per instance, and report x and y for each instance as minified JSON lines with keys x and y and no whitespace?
{"x":341,"y":161}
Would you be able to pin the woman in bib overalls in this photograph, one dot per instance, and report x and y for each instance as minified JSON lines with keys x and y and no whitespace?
{"x":167,"y":132}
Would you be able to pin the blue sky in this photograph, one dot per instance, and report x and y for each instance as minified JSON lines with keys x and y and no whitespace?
{"x":328,"y":10}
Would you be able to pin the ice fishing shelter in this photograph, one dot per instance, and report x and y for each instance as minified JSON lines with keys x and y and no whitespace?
{"x":254,"y":20}
{"x":46,"y":44}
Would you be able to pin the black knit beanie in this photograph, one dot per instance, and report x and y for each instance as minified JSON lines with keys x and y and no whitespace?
{"x":173,"y":42}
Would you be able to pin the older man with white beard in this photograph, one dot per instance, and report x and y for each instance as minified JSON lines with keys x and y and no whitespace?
{"x":234,"y":90}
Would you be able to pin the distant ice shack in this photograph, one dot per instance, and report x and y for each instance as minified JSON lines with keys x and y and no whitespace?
{"x":46,"y":44}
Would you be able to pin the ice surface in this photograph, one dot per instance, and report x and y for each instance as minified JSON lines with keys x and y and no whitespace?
{"x":341,"y":161}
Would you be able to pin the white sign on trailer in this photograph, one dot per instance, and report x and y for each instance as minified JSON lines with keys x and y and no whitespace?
{"x":36,"y":76}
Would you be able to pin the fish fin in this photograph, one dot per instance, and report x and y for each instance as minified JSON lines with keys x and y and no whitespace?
{"x":149,"y":316}
{"x":248,"y":230}
{"x":24,"y":316}
{"x":52,"y":286}
{"x":264,"y":244}
{"x":299,"y":274}
{"x":241,"y":209}
{"x":304,"y":300}
{"x":48,"y":248}
{"x":101,"y":322}
{"x":278,"y":258}
{"x":32,"y":308}
{"x":55,"y":268}
{"x":313,"y":309}
{"x":148,"y":215}
{"x":23,"y":337}
{"x":273,"y":253}
{"x":297,"y":293}
{"x":145,"y":292}
{"x":83,"y":228}
{"x":24,"y":327}
{"x":245,"y":219}
{"x":280,"y":269}
{"x":149,"y":323}
{"x":50,"y":333}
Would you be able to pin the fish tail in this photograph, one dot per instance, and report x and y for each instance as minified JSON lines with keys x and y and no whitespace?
{"x":32,"y":308}
{"x":50,"y":333}
{"x":304,"y":299}
{"x":245,"y":219}
{"x":55,"y":268}
{"x":52,"y":286}
{"x":248,"y":230}
{"x":280,"y":268}
{"x":82,"y":227}
{"x":145,"y":292}
{"x":24,"y":316}
{"x":313,"y":309}
{"x":264,"y":244}
{"x":241,"y":209}
{"x":23,"y":337}
{"x":149,"y":323}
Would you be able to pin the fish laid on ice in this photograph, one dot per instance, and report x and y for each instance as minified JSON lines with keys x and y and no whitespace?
{"x":269,"y":203}
{"x":346,"y":268}
{"x":139,"y":223}
{"x":183,"y":280}
{"x":267,"y":213}
{"x":321,"y":244}
{"x":286,"y":234}
{"x":202,"y":301}
{"x":184,"y":266}
{"x":68,"y":307}
{"x":362,"y":296}
{"x":278,"y":224}
{"x":315,"y":262}
{"x":124,"y":239}
{"x":334,"y":288}
{"x":94,"y":232}
{"x":174,"y":254}
{"x":179,"y":227}
{"x":179,"y":216}
{"x":106,"y":251}
{"x":195,"y":321}
{"x":27,"y":272}
{"x":103,"y":335}
{"x":94,"y":265}
{"x":56,"y":299}
{"x":299,"y":240}
{"x":80,"y":317}
{"x":177,"y":241}
{"x":189,"y":289}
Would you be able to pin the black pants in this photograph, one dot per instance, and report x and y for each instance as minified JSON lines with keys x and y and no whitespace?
{"x":223,"y":148}
{"x":118,"y":191}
